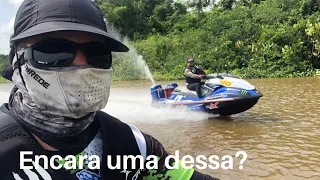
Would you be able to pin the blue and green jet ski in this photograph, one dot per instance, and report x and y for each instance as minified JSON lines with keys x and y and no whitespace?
{"x":223,"y":94}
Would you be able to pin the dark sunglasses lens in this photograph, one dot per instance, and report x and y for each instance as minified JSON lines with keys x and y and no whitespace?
{"x":51,"y":53}
{"x":98,"y":55}
{"x":190,"y":61}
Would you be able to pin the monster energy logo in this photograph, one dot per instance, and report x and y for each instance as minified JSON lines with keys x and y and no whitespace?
{"x":244,"y":92}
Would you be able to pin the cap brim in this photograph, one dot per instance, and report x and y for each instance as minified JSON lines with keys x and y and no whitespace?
{"x":47,"y":27}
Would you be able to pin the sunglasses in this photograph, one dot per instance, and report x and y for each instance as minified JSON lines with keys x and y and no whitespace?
{"x":190,"y":61}
{"x":60,"y":53}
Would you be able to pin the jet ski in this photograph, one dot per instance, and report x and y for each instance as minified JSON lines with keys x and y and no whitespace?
{"x":223,"y":94}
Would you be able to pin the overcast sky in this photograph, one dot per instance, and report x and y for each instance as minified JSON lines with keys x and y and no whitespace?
{"x":8,"y":9}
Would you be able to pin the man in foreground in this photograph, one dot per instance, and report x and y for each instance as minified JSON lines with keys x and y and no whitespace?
{"x":61,"y":67}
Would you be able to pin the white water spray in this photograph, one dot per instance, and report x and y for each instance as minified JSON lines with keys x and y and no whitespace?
{"x":134,"y":105}
{"x":134,"y":57}
{"x":149,"y":74}
{"x":142,"y":66}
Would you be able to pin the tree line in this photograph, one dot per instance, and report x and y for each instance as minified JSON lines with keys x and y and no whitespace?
{"x":250,"y":38}
{"x":3,"y":63}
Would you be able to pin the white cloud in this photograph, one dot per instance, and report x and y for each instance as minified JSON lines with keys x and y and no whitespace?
{"x":7,"y":8}
{"x":10,"y":3}
{"x":15,"y":2}
{"x":5,"y":32}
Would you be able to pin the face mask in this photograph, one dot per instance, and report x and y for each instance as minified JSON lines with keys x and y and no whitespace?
{"x":68,"y":91}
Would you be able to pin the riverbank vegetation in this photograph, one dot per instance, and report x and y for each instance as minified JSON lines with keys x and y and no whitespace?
{"x":3,"y":63}
{"x":250,"y":38}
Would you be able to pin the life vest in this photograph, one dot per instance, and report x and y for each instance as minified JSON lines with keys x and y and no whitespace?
{"x":118,"y":139}
{"x":194,"y":70}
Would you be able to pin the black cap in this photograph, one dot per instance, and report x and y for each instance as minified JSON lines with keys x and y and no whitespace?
{"x":36,"y":17}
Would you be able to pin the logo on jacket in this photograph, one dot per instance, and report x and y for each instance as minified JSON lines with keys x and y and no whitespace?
{"x":126,"y":172}
{"x":195,"y":70}
{"x":135,"y":177}
{"x":87,"y":175}
{"x":32,"y":175}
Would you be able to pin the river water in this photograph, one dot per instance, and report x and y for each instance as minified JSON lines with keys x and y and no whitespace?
{"x":280,"y":134}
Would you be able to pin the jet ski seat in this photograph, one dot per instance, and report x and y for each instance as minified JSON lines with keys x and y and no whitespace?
{"x":188,"y":93}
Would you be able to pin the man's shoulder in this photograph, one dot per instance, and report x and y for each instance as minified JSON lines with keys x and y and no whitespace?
{"x":10,"y":128}
{"x":7,"y":121}
{"x":103,"y":116}
{"x":187,"y":69}
{"x":125,"y":131}
{"x":114,"y":127}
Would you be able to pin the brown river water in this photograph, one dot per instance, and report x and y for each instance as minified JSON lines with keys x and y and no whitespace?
{"x":280,"y":134}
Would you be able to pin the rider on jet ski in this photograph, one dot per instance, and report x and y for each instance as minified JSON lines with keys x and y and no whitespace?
{"x":193,"y":76}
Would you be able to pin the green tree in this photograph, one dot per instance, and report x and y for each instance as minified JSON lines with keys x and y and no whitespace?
{"x":199,"y":5}
{"x":308,"y":7}
{"x":3,"y":63}
{"x":125,"y":15}
{"x":251,"y":38}
{"x":137,"y":19}
{"x":227,"y":4}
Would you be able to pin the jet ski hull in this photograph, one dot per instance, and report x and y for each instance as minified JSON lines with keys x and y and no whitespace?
{"x":231,"y":107}
{"x":227,"y":96}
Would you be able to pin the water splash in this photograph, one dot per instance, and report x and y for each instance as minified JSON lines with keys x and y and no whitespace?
{"x":147,"y":71}
{"x":142,"y":66}
{"x":135,"y":107}
{"x":133,"y":56}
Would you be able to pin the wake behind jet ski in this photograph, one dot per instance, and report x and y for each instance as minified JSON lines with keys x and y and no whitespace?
{"x":222,"y":94}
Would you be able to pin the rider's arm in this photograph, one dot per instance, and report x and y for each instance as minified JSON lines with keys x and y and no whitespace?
{"x":154,"y":147}
{"x":202,"y":72}
{"x":188,"y":73}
